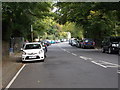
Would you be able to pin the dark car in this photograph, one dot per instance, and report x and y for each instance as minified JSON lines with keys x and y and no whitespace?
{"x":44,"y":45}
{"x":47,"y":43}
{"x":87,"y":43}
{"x":110,"y":44}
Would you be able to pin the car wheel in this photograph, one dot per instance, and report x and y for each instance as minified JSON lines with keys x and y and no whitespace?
{"x":103,"y":50}
{"x":45,"y":56}
{"x":83,"y":47}
{"x":109,"y":51}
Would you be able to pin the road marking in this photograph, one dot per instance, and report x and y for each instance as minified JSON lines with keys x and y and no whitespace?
{"x":99,"y":64}
{"x":67,"y":51}
{"x":108,"y":64}
{"x":64,"y":50}
{"x":118,"y":71}
{"x":74,"y":54}
{"x":10,"y":83}
{"x":85,"y":58}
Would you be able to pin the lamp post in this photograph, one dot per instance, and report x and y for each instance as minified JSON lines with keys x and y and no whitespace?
{"x":32,"y":33}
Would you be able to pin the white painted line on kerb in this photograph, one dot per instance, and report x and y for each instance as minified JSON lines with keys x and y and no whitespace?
{"x":10,"y":83}
{"x":74,"y":54}
{"x":99,"y":64}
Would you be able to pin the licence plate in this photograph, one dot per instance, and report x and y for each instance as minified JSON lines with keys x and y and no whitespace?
{"x":89,"y":43}
{"x":32,"y":57}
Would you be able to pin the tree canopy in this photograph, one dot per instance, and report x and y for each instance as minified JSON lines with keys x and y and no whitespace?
{"x":17,"y":17}
{"x":98,"y":19}
{"x":83,"y":19}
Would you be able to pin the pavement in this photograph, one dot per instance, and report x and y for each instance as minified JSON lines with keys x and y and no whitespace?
{"x":10,"y":66}
{"x":70,"y":67}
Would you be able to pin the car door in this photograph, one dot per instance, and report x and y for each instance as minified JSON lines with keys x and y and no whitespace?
{"x":104,"y":43}
{"x":108,"y":43}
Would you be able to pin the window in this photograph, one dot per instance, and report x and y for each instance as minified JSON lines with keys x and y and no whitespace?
{"x":32,"y":46}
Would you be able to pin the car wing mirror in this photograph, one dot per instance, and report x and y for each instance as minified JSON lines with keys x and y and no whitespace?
{"x":21,"y":49}
{"x":43,"y":47}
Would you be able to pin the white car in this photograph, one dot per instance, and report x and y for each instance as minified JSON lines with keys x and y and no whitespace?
{"x":33,"y":52}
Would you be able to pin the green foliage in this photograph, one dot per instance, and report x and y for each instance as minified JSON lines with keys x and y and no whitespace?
{"x":46,"y":28}
{"x":17,"y":17}
{"x":97,"y":20}
{"x":83,"y":19}
{"x":75,"y":30}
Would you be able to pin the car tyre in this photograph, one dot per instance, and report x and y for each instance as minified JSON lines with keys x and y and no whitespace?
{"x":103,"y":50}
{"x":119,"y":52}
{"x":43,"y":60}
{"x":83,"y":47}
{"x":109,"y":51}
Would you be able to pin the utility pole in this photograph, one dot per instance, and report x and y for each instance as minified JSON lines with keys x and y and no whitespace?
{"x":32,"y":33}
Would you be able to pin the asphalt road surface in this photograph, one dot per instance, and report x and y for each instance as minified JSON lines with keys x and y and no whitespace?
{"x":70,"y":67}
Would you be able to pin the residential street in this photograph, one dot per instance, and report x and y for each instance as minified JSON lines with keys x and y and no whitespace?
{"x":70,"y":67}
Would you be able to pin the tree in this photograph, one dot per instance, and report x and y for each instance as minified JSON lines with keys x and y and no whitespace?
{"x":18,"y":17}
{"x":96,"y":19}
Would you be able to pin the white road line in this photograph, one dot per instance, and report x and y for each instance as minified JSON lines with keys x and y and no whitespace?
{"x":116,"y":66}
{"x":99,"y":64}
{"x":64,"y":50}
{"x":67,"y":51}
{"x":74,"y":54}
{"x":109,"y":63}
{"x":85,"y":58}
{"x":10,"y":83}
{"x":118,"y":71}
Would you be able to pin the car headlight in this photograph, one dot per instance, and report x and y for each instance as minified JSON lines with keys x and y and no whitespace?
{"x":24,"y":53}
{"x":41,"y":51}
{"x":115,"y":45}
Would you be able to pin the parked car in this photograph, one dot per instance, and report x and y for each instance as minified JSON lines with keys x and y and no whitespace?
{"x":110,"y":44}
{"x":44,"y":45}
{"x":70,"y":41}
{"x":78,"y":44}
{"x":32,"y":52}
{"x":73,"y":42}
{"x":87,"y":43}
{"x":52,"y":42}
{"x":47,"y":42}
{"x":57,"y":41}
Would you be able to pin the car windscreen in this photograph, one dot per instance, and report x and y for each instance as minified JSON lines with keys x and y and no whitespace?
{"x":32,"y":46}
{"x":115,"y":39}
{"x":88,"y":40}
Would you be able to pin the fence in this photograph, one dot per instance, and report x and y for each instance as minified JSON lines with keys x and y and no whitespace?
{"x":15,"y":44}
